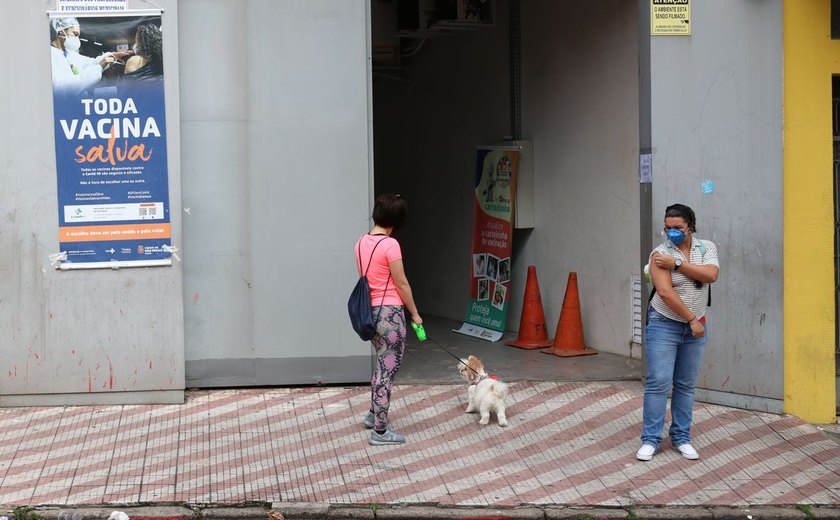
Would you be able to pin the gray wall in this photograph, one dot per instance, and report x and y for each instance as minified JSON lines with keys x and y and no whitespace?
{"x":277,"y":173}
{"x":717,"y":115}
{"x":75,"y":337}
{"x":580,"y":108}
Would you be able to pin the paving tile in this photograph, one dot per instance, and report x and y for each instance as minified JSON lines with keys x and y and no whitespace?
{"x":568,"y":443}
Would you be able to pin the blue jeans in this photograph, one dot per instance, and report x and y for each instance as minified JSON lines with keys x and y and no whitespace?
{"x":673,"y":358}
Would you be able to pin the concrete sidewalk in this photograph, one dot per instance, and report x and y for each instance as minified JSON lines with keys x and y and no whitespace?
{"x":569,"y":444}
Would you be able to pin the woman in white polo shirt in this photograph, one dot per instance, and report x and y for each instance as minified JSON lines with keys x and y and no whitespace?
{"x":681,"y":268}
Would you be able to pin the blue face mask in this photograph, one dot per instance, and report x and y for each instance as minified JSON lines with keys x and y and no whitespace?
{"x":675,"y":236}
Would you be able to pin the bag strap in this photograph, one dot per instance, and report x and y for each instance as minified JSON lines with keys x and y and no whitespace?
{"x":371,"y":256}
{"x":368,"y":268}
{"x":382,"y":303}
{"x":703,"y":248}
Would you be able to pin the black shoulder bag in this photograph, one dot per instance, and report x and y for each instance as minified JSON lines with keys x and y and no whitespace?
{"x":358,"y":306}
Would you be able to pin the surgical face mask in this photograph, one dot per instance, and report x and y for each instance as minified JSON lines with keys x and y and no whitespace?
{"x":72,"y":43}
{"x":136,"y":48}
{"x":675,"y":236}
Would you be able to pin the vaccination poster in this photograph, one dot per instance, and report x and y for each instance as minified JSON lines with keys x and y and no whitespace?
{"x":490,"y":261}
{"x":110,"y":140}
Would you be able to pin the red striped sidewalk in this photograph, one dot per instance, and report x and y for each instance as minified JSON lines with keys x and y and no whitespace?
{"x":566,"y":443}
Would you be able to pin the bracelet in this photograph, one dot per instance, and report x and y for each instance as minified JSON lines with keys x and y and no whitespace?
{"x":692,"y":319}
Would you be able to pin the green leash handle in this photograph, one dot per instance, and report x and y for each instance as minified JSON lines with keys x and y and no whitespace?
{"x":419,"y":330}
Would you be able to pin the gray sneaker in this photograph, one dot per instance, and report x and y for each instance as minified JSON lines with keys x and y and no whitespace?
{"x":388,"y":437}
{"x":369,"y":421}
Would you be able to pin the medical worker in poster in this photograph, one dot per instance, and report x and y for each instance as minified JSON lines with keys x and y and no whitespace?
{"x":71,"y":71}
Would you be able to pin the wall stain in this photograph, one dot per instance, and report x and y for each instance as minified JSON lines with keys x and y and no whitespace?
{"x":110,"y":373}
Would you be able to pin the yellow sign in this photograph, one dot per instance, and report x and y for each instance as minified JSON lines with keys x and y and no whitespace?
{"x":670,"y":17}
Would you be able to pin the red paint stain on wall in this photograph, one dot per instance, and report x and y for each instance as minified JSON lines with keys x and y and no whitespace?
{"x":110,"y":373}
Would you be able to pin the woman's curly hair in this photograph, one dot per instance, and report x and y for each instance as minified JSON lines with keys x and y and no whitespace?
{"x":150,"y":40}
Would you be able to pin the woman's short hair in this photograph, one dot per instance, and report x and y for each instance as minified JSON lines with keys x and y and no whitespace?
{"x":389,"y":211}
{"x":684,"y":212}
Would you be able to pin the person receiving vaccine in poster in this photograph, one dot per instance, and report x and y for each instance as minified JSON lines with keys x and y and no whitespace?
{"x":72,"y":72}
{"x":147,"y":62}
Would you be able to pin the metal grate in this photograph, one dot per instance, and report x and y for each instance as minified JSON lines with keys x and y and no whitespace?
{"x":636,"y":303}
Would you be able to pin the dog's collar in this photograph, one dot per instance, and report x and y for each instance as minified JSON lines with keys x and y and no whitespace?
{"x":483,"y":377}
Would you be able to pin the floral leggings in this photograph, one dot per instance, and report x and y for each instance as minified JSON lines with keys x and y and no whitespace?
{"x":389,"y":343}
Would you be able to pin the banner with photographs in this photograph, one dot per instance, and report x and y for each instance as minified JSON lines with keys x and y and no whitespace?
{"x":110,"y":140}
{"x":490,"y":272}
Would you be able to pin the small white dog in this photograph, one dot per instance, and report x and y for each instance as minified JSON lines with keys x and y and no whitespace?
{"x":486,"y":393}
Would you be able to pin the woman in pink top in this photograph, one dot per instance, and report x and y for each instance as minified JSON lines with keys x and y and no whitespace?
{"x":390,"y":295}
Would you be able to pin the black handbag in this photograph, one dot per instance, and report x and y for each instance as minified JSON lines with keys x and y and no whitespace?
{"x":358,"y":306}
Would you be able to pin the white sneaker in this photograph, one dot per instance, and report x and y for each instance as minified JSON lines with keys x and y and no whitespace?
{"x":688,"y":451}
{"x":646,"y":452}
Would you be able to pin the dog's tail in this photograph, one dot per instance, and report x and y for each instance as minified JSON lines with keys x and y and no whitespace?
{"x":499,"y":390}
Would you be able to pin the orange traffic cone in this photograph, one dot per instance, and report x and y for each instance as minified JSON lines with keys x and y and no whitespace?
{"x":568,"y":340}
{"x":532,"y":331}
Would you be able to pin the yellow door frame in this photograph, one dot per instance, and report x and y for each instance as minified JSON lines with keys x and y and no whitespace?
{"x":811,"y":57}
